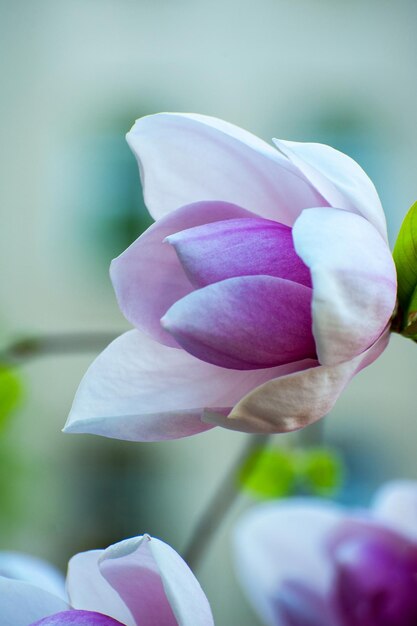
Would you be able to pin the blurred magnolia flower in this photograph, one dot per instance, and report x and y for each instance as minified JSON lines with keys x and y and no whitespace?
{"x":29,"y":569}
{"x":264,"y":285}
{"x":307,"y":562}
{"x":138,"y":582}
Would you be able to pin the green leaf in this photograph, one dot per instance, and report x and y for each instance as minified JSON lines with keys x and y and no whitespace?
{"x":268,"y":473}
{"x":405,"y":258}
{"x":279,"y":472}
{"x":321,"y":471}
{"x":410,"y":329}
{"x":11,"y":391}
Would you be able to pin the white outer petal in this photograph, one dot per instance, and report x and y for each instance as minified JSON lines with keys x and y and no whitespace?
{"x":338,"y":178}
{"x":296,"y":400}
{"x":32,"y":570}
{"x":22,"y":603}
{"x":187,"y":599}
{"x":354,"y":281}
{"x":395,"y":505}
{"x":141,"y":390}
{"x":185,"y":158}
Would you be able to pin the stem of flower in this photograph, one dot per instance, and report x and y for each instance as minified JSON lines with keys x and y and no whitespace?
{"x":24,"y":350}
{"x":221,"y":503}
{"x":312,"y":435}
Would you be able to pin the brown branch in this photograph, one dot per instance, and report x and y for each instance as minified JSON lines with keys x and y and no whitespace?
{"x":29,"y":348}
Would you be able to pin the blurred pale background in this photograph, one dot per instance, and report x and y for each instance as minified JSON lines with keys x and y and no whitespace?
{"x":74,"y":76}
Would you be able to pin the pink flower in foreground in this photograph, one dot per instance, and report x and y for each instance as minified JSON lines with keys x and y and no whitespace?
{"x":264,"y":285}
{"x":307,"y":562}
{"x":138,"y":582}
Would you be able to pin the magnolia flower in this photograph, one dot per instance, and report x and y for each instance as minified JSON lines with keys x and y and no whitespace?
{"x":307,"y":562}
{"x":264,"y":285}
{"x":138,"y":582}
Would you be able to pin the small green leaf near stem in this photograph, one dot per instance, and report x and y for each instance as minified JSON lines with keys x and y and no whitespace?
{"x":405,"y":258}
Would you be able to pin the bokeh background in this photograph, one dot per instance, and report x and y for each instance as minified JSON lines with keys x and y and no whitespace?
{"x":75,"y":75}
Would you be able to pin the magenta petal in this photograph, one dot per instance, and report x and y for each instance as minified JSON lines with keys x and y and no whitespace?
{"x":78,"y":618}
{"x":148,"y":278}
{"x":245,"y":323}
{"x":239,"y":247}
{"x":376,"y":576}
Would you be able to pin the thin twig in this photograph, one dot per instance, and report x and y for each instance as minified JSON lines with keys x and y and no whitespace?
{"x":221,"y":503}
{"x":26,"y":349}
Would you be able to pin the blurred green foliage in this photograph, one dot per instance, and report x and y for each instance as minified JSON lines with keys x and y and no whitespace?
{"x":11,"y":392}
{"x":320,"y":471}
{"x":268,"y":473}
{"x":277,"y":472}
{"x":405,"y":257}
{"x":11,"y":395}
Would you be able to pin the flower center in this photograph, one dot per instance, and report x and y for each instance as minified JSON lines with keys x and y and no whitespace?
{"x":251,"y":307}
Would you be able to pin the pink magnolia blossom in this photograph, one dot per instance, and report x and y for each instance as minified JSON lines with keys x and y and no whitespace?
{"x":138,"y":582}
{"x":306,"y":562}
{"x":264,"y":286}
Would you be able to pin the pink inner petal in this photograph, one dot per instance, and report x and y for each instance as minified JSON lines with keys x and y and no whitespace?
{"x":248,"y":322}
{"x":239,"y":247}
{"x":89,"y":591}
{"x":135,"y":576}
{"x":148,"y":278}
